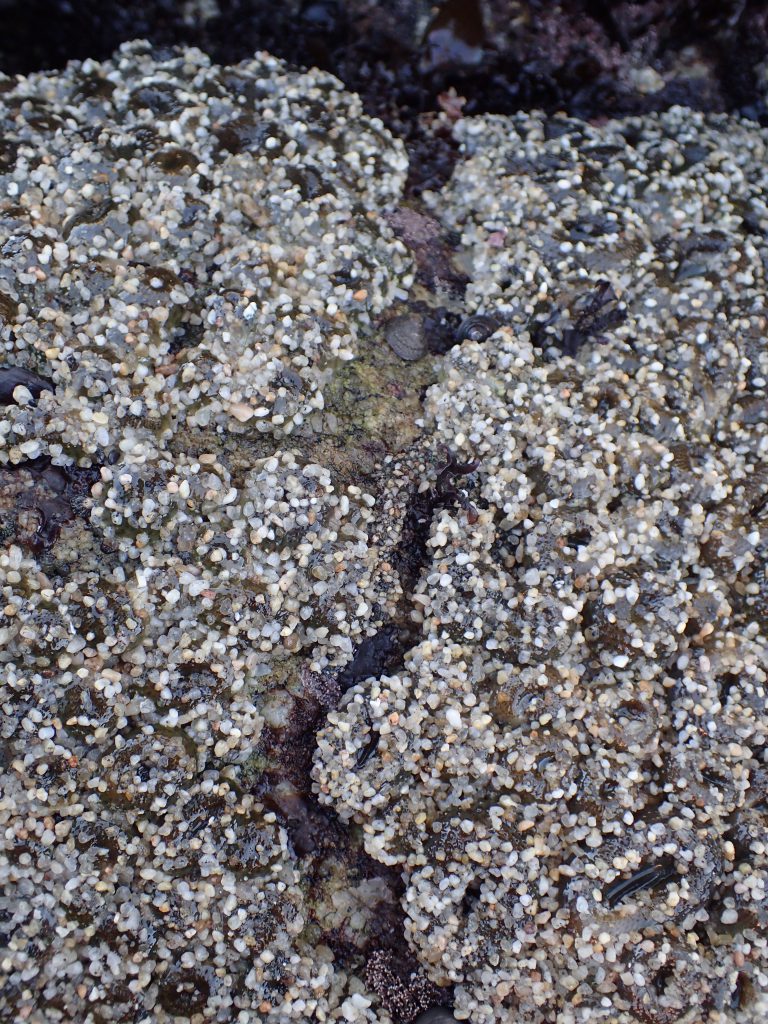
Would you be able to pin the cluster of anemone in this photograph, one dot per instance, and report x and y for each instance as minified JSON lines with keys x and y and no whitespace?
{"x":189,"y":254}
{"x":570,"y":765}
{"x":567,"y":763}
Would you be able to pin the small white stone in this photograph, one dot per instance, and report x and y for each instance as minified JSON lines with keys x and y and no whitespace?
{"x":454,"y":718}
{"x":242,"y":411}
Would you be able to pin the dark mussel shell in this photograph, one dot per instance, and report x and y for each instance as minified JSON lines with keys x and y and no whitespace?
{"x":12,"y":376}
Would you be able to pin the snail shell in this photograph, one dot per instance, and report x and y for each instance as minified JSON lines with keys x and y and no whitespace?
{"x":477,"y":327}
{"x":437,"y":1015}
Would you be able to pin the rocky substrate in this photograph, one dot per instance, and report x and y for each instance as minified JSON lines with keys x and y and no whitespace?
{"x":475,"y":491}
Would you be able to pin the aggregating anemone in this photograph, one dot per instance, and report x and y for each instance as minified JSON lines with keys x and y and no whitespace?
{"x":189,"y":254}
{"x":578,"y":735}
{"x":549,"y":670}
